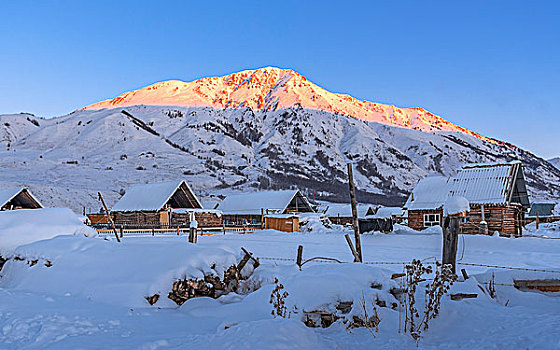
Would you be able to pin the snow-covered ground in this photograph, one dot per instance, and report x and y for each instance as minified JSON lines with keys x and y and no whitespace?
{"x":92,"y":296}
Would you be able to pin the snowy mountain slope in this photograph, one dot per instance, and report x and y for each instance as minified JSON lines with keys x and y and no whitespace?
{"x":555,"y":162}
{"x":269,"y":89}
{"x":15,"y":126}
{"x":68,"y":159}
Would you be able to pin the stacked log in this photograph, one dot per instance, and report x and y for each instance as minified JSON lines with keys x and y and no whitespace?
{"x":210,"y":286}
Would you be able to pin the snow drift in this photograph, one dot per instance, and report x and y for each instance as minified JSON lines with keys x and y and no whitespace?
{"x":25,"y":226}
{"x":110,"y":272}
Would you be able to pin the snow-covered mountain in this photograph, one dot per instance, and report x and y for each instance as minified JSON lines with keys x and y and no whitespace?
{"x":270,"y":88}
{"x":289,"y":132}
{"x":555,"y":162}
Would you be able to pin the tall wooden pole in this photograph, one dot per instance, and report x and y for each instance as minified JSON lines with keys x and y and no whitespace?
{"x":358,"y":258}
{"x":450,"y":240}
{"x":109,"y":216}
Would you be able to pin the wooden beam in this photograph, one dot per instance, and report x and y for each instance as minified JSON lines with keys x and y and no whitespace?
{"x":109,"y":216}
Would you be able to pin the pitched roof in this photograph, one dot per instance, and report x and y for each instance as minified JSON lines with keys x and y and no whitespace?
{"x":496,"y":183}
{"x":542,"y":209}
{"x":152,"y":197}
{"x":388,"y":212}
{"x":251,"y":203}
{"x":8,"y":194}
{"x":345,"y":210}
{"x":430,"y":193}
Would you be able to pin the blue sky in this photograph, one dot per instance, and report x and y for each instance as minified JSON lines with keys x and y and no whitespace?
{"x":491,"y":66}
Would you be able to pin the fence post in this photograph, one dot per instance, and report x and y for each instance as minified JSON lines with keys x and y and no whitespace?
{"x":299,"y":256}
{"x":121,"y":231}
{"x":537,"y":221}
{"x":192,"y":235}
{"x":358,"y":257}
{"x":450,"y":240}
{"x":153,"y":232}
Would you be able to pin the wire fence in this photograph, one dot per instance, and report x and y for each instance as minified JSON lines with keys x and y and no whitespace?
{"x":408,"y":263}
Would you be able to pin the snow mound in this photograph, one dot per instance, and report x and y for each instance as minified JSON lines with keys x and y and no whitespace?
{"x":548,"y":230}
{"x":314,"y":223}
{"x":455,"y":205}
{"x":24,"y":226}
{"x":110,"y":272}
{"x":267,"y":334}
{"x":405,"y":230}
{"x":324,"y":287}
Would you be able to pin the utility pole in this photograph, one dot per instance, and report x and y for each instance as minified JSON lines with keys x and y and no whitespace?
{"x":355,"y":223}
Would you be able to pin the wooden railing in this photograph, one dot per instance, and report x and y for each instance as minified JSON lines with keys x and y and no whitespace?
{"x":167,"y":230}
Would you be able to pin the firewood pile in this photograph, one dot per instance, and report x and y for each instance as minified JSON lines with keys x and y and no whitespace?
{"x":210,"y":286}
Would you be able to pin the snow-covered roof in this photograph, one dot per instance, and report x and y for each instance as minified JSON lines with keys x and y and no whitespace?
{"x":276,"y":202}
{"x":8,"y":194}
{"x":493,"y":183}
{"x":496,"y":183}
{"x":153,"y":197}
{"x":430,"y":193}
{"x":388,"y":212}
{"x":345,"y":210}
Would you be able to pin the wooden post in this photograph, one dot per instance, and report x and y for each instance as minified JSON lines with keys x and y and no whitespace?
{"x":121,"y":231}
{"x":349,"y":241}
{"x":299,"y":256}
{"x":537,"y":221}
{"x":193,"y":235}
{"x":450,"y":240}
{"x":177,"y":230}
{"x":358,"y":257}
{"x":153,"y":232}
{"x":465,"y":275}
{"x":483,"y":223}
{"x":108,"y":216}
{"x":262,"y":218}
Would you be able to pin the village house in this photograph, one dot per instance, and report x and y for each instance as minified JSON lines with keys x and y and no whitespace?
{"x":250,"y":209}
{"x":170,"y":203}
{"x":425,"y":204}
{"x":496,"y":192}
{"x":18,"y":198}
{"x":397,"y":214}
{"x":341,"y":213}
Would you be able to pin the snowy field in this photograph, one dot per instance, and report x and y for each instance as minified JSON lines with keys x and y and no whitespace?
{"x":77,"y":292}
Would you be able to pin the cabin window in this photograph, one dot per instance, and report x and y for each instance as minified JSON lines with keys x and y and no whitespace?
{"x":431,"y":220}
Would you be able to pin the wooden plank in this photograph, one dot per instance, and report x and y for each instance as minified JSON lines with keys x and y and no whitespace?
{"x":544,"y":285}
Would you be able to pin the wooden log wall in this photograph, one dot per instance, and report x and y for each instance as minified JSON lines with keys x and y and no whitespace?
{"x":203,"y":219}
{"x":506,"y":219}
{"x":242,"y":219}
{"x":136,"y":218}
{"x":341,"y":220}
{"x":416,"y":217}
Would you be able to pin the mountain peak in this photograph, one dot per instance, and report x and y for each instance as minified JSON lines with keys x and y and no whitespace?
{"x":271,"y":88}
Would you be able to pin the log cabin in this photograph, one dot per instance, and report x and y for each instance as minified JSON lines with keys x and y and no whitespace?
{"x":18,"y":198}
{"x":249,"y":209}
{"x":164,"y":204}
{"x":497,"y":194}
{"x":341,"y":213}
